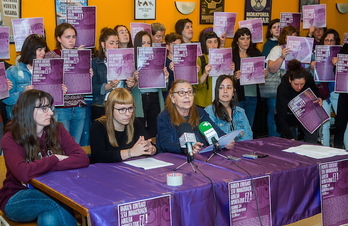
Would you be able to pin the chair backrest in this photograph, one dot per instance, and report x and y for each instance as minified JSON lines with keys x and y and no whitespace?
{"x":87,"y":149}
{"x":3,"y":170}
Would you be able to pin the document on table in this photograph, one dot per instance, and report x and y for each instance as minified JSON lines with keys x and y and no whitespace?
{"x":315,"y":151}
{"x":225,"y":139}
{"x":148,"y":163}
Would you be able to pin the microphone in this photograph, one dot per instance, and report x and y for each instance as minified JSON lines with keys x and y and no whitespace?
{"x":209,"y":133}
{"x":186,"y":137}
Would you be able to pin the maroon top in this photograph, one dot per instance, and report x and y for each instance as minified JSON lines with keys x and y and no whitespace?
{"x":19,"y":172}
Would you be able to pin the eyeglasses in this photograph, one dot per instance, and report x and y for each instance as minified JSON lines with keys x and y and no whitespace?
{"x":45,"y":108}
{"x":123,"y":110}
{"x":182,"y":93}
{"x":329,"y":40}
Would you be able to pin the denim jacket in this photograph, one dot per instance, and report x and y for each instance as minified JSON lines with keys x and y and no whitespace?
{"x":239,"y":120}
{"x":99,"y":81}
{"x":20,"y":76}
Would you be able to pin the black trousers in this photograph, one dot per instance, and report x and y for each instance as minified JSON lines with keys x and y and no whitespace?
{"x":151,"y":108}
{"x":341,"y":120}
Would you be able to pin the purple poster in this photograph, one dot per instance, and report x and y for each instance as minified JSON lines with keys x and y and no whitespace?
{"x":301,"y":48}
{"x":252,"y":70}
{"x":185,"y":62}
{"x":151,"y":62}
{"x":48,"y":76}
{"x":293,"y":19}
{"x":324,"y":69}
{"x":334,"y":192}
{"x":341,"y":82}
{"x":345,"y":38}
{"x":255,"y":27}
{"x":83,"y":18}
{"x":250,"y":199}
{"x":150,"y":212}
{"x":120,"y":63}
{"x":22,"y":28}
{"x":136,"y":27}
{"x":314,"y":15}
{"x":4,"y":42}
{"x":77,"y":64}
{"x":311,"y":115}
{"x":224,"y":23}
{"x":221,"y":61}
{"x":4,"y":92}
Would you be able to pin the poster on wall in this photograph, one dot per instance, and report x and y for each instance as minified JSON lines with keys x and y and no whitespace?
{"x":258,"y":9}
{"x":307,"y":2}
{"x":145,"y":10}
{"x":9,"y":9}
{"x":60,"y":7}
{"x":208,"y":8}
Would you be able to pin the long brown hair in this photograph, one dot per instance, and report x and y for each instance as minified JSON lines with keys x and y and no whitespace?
{"x":286,"y":31}
{"x":23,"y":125}
{"x":175,"y":117}
{"x":59,"y":31}
{"x":117,"y":96}
{"x":219,"y":109}
{"x":104,"y":35}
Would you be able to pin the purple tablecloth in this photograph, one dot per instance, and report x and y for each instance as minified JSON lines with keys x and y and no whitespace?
{"x":294,"y":179}
{"x":101,"y":187}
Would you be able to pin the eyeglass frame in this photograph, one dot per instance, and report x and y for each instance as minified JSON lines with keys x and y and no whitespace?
{"x":125,"y":110}
{"x":185,"y":92}
{"x":45,"y":108}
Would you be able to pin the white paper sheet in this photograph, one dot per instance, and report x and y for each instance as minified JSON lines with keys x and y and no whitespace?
{"x":315,"y":151}
{"x":148,"y":163}
{"x":225,"y":139}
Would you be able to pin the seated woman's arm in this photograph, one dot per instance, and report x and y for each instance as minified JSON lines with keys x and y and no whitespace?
{"x":77,"y":157}
{"x":99,"y":140}
{"x":167,"y":134}
{"x":24,"y":171}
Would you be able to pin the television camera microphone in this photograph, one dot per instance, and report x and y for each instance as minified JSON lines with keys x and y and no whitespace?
{"x":209,"y":133}
{"x":187,"y":139}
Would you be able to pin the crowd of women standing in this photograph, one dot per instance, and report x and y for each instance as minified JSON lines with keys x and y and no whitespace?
{"x":125,"y":117}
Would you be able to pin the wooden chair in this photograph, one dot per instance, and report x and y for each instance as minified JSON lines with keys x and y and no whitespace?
{"x":4,"y":219}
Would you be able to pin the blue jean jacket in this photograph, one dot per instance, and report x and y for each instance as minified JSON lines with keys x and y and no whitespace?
{"x":99,"y":81}
{"x":20,"y":77}
{"x":239,"y":120}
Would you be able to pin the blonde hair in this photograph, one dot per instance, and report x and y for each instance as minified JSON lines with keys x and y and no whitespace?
{"x":117,"y":96}
{"x":175,"y":117}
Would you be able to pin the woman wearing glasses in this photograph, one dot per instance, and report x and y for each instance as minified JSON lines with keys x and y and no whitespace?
{"x":34,"y":144}
{"x":180,"y":108}
{"x":119,"y":135}
{"x":330,"y":98}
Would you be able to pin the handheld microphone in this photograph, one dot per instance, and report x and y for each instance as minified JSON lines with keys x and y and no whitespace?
{"x":209,"y":133}
{"x":186,"y":137}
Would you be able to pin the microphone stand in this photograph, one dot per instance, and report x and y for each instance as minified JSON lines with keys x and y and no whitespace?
{"x":189,"y":160}
{"x":218,"y":148}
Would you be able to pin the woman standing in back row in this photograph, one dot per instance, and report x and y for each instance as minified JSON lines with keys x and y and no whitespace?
{"x":73,"y":113}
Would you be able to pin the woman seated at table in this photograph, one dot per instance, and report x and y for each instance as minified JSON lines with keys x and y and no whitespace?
{"x":33,"y":145}
{"x":119,"y":135}
{"x":180,"y":108}
{"x":224,"y":110}
{"x":295,"y":81}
